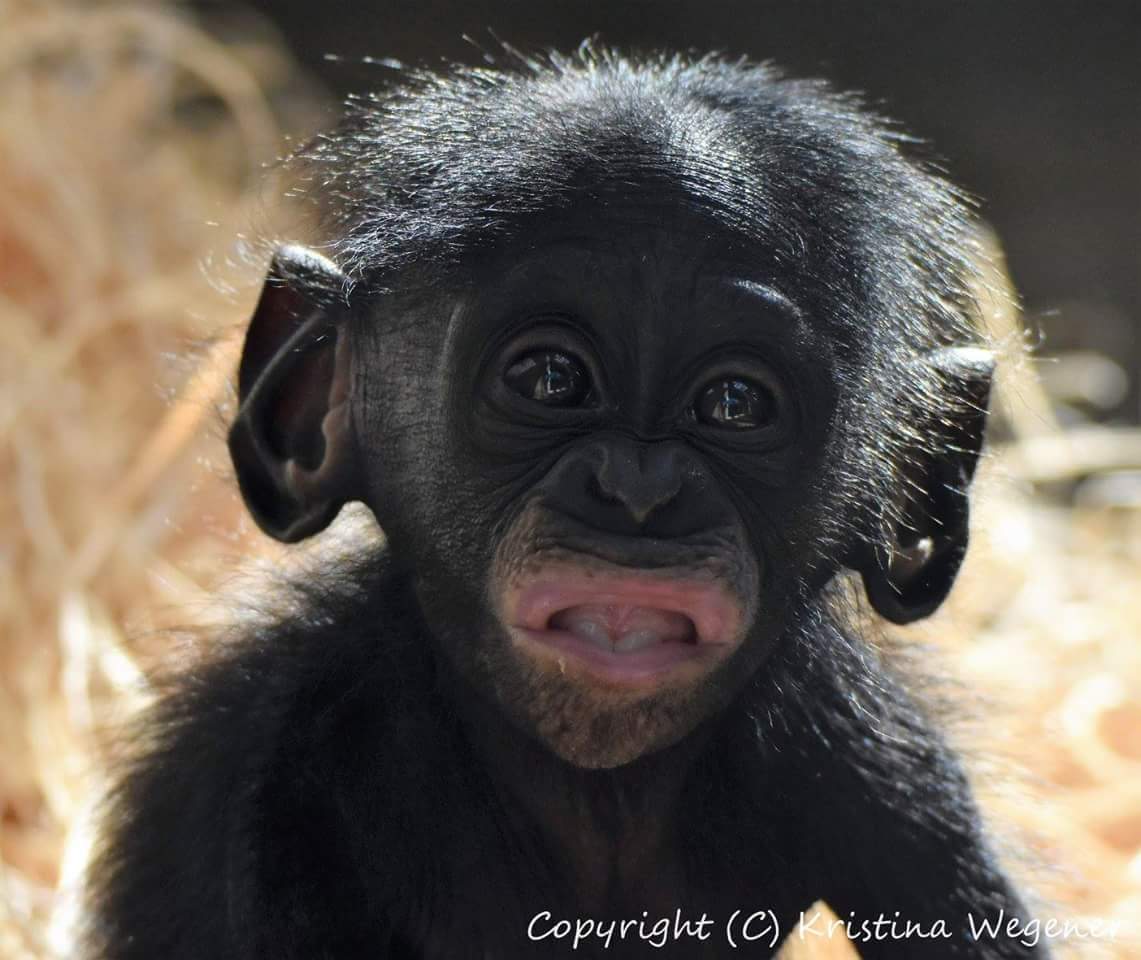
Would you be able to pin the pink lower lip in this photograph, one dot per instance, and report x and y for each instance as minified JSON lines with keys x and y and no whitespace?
{"x":715,"y":615}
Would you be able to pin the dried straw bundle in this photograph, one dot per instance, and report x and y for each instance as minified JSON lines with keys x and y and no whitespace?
{"x":131,"y":147}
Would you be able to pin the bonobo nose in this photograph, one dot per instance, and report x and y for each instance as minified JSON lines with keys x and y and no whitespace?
{"x":642,"y":477}
{"x":635,"y":488}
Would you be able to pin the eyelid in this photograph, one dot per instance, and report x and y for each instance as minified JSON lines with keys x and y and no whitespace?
{"x":742,"y":364}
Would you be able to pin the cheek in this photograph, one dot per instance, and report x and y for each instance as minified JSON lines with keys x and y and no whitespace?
{"x":423,"y":497}
{"x":791,"y":525}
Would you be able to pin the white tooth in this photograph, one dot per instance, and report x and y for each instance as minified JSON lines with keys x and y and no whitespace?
{"x":637,"y":640}
{"x":591,"y":630}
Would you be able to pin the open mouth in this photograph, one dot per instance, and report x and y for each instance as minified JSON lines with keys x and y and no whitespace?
{"x":625,"y":628}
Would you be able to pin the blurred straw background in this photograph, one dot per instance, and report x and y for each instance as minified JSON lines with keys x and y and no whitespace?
{"x":132,"y":153}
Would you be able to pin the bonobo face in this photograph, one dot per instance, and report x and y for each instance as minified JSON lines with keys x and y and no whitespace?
{"x":610,"y":457}
{"x":723,"y":346}
{"x":616,"y":492}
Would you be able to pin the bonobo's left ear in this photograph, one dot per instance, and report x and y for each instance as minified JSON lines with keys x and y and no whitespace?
{"x":908,"y":578}
{"x":292,"y":442}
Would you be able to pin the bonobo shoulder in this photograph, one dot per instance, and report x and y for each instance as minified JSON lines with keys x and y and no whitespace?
{"x":234,"y":803}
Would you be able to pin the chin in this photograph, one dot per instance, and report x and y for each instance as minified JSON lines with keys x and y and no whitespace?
{"x":597,"y":728}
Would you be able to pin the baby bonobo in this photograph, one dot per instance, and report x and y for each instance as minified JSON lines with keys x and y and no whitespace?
{"x":631,"y":361}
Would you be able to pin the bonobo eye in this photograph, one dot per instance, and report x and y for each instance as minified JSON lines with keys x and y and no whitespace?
{"x":549,"y":376}
{"x":735,"y":404}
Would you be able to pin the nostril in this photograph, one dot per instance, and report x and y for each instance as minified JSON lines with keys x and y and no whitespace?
{"x":654,"y":500}
{"x":595,"y":488}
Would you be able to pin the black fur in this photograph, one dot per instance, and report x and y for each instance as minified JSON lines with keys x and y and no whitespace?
{"x":311,"y":794}
{"x":323,"y":788}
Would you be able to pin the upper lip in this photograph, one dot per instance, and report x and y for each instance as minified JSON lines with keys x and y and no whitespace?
{"x":562,"y":532}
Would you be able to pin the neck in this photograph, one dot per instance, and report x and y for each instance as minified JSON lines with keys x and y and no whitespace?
{"x":613,"y":832}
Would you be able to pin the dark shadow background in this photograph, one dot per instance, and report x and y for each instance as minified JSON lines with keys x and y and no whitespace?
{"x":1033,"y":106}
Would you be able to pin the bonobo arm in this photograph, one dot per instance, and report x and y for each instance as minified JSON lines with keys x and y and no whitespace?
{"x":899,"y":836}
{"x":932,"y":879}
{"x":226,"y":838}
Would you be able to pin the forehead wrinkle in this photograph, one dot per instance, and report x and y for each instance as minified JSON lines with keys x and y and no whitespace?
{"x":771,"y":300}
{"x":768,"y":295}
{"x":559,"y":256}
{"x":630,"y":253}
{"x":736,"y":300}
{"x":730,"y":308}
{"x":640,"y":282}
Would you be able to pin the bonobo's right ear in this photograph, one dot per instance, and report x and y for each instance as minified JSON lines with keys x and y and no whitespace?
{"x":910,"y":575}
{"x":292,"y":442}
